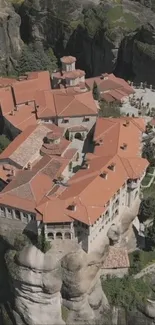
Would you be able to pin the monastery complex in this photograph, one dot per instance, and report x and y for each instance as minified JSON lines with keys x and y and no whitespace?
{"x":67,"y":171}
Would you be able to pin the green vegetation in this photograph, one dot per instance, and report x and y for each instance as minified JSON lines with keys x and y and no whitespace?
{"x":117,"y":17}
{"x":126,"y":292}
{"x":149,"y":153}
{"x":33,"y":59}
{"x":150,"y":170}
{"x":42,"y":243}
{"x":20,"y":242}
{"x":149,"y":191}
{"x":140,"y":259}
{"x":147,"y":209}
{"x":146,"y":180}
{"x":146,"y":48}
{"x":4,"y":142}
{"x":109,"y":109}
{"x":64,"y":313}
{"x":96,"y":93}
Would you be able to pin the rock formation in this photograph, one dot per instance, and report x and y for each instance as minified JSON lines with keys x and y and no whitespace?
{"x":47,"y":284}
{"x":106,"y":37}
{"x":10,"y":41}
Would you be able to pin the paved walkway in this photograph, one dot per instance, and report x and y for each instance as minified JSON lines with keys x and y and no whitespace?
{"x":148,"y":97}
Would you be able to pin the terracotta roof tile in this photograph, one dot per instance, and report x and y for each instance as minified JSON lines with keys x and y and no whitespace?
{"x":116,"y":258}
{"x":68,"y":59}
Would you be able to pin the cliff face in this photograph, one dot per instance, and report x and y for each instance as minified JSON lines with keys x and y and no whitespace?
{"x":102,"y":37}
{"x":54,"y":290}
{"x":10,"y":41}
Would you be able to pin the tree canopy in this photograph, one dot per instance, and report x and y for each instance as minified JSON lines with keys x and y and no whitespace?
{"x":96,"y":93}
{"x":4,"y":142}
{"x":147,"y":209}
{"x":36,"y":59}
{"x":149,"y":153}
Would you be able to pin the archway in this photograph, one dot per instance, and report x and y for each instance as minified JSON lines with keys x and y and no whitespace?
{"x":67,"y":235}
{"x":78,"y":136}
{"x":58,"y":235}
{"x":50,"y":235}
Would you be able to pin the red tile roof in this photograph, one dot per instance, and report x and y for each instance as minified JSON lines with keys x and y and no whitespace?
{"x":62,"y":104}
{"x":111,"y":87}
{"x":27,"y":144}
{"x":24,"y":91}
{"x":68,"y":59}
{"x":116,"y":258}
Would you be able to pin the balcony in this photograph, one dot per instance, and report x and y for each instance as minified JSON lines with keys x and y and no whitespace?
{"x":60,"y":226}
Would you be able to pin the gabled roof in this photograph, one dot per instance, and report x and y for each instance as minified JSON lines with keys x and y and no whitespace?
{"x":27,"y":144}
{"x":65,"y":104}
{"x":24,"y":90}
{"x":29,"y":187}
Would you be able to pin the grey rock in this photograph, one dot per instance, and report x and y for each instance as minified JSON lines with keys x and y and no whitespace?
{"x":10,"y":41}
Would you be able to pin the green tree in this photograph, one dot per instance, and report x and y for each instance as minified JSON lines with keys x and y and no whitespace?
{"x":149,"y":153}
{"x":21,"y":241}
{"x":36,"y":59}
{"x":96,"y":93}
{"x":4,"y":142}
{"x":126,"y":292}
{"x":147,"y":209}
{"x":42,"y":243}
{"x":53,"y":59}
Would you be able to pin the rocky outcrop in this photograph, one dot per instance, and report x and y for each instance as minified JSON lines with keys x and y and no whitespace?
{"x":10,"y":41}
{"x":47,"y":284}
{"x":103,"y":38}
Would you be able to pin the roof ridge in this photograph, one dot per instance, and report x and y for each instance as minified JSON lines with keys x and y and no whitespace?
{"x":126,"y":159}
{"x":67,"y":105}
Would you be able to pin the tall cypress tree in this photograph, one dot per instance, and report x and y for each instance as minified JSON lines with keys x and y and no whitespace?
{"x":96,"y":93}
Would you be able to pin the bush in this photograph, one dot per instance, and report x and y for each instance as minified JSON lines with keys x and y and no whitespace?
{"x":140,"y":259}
{"x":33,"y":59}
{"x":42,"y":243}
{"x":126,"y":292}
{"x":4,"y":142}
{"x":20,"y":242}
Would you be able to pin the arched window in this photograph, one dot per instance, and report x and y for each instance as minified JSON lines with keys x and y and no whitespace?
{"x":58,"y":235}
{"x":50,"y":235}
{"x":67,"y":235}
{"x":78,"y":136}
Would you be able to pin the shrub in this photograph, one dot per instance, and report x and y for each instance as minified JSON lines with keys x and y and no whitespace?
{"x":126,"y":292}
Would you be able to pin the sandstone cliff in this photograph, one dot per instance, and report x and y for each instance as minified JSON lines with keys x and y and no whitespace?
{"x":10,"y":41}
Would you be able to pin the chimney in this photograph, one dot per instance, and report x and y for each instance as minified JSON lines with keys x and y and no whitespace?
{"x":127,"y":123}
{"x":29,"y":166}
{"x":12,"y":112}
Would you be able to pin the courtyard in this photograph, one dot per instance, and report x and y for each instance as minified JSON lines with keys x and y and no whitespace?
{"x":140,"y":103}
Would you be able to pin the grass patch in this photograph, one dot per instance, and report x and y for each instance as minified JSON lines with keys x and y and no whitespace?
{"x":149,"y":191}
{"x":140,"y":259}
{"x":146,"y":180}
{"x":118,"y":18}
{"x":64,"y":313}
